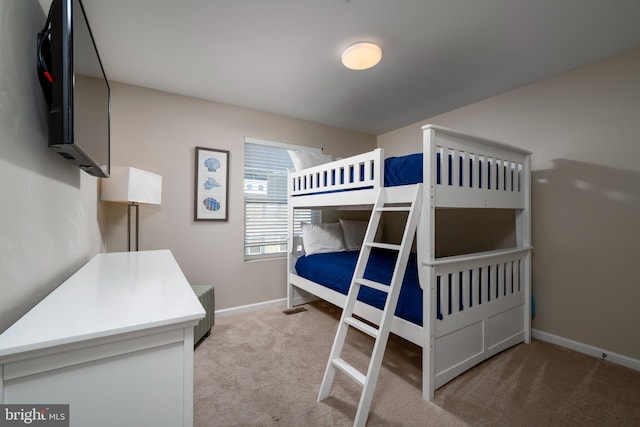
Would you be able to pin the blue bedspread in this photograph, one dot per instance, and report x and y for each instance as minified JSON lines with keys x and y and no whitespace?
{"x":403,"y":170}
{"x":334,"y":270}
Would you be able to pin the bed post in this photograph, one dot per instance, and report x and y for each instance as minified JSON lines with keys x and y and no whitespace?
{"x":426,"y":273}
{"x":290,"y":242}
{"x":523,"y":237}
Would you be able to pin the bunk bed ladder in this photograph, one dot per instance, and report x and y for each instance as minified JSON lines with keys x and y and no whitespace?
{"x":388,"y":199}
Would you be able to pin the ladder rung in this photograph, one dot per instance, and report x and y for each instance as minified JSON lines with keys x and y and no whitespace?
{"x":394,"y":209}
{"x":364,"y":327}
{"x":384,"y":245}
{"x":375,"y":285}
{"x":352,"y":372}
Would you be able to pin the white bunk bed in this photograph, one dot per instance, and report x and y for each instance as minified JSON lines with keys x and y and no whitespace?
{"x":494,"y":285}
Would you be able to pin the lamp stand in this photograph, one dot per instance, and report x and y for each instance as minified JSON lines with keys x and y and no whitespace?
{"x":132,"y":205}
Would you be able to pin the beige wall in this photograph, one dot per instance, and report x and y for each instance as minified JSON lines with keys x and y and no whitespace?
{"x":582,"y":128}
{"x":157,"y":131}
{"x":50,"y":218}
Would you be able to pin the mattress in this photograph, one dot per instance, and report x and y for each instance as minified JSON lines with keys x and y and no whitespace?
{"x":335,"y":270}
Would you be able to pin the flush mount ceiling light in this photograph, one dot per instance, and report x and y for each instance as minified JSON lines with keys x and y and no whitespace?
{"x":361,"y":56}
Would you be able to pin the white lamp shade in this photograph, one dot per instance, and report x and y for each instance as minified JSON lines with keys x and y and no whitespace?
{"x":131,"y":185}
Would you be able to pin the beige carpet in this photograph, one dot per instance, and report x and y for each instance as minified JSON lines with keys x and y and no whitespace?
{"x":265,"y":368}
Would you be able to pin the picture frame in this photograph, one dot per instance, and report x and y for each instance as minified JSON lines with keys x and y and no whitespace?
{"x":211,"y":198}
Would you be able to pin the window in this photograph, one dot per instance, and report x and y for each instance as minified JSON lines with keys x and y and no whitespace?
{"x":265,"y":198}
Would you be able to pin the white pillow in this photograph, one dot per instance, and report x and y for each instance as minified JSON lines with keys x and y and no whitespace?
{"x":353,"y":232}
{"x":307,"y":159}
{"x":321,"y":238}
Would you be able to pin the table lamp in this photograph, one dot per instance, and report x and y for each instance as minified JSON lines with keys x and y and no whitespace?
{"x":134,"y":187}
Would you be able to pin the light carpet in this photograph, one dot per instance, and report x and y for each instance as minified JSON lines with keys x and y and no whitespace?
{"x":264,"y":369}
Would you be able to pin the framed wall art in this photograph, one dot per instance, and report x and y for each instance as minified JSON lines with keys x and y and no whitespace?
{"x":211,"y":185}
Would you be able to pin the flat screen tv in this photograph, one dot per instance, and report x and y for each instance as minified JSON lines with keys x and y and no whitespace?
{"x":75,"y":87}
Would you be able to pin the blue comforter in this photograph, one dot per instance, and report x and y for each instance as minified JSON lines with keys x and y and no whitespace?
{"x":335,"y":269}
{"x":403,"y":170}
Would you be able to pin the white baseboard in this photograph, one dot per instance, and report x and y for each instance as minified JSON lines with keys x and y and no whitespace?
{"x":251,"y":307}
{"x":600,"y":353}
{"x":262,"y":305}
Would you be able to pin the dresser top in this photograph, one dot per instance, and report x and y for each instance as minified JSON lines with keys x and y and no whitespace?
{"x":112,"y":294}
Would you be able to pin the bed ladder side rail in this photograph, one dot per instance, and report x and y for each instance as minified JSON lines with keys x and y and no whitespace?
{"x":412,"y":205}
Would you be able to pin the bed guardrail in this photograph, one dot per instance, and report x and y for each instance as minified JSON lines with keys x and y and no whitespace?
{"x":358,"y":172}
{"x":465,"y":282}
{"x":473,"y":172}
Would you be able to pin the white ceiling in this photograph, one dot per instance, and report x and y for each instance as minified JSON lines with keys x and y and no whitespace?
{"x":283,"y":56}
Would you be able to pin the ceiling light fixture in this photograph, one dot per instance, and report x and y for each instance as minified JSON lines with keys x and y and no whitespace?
{"x":361,"y":56}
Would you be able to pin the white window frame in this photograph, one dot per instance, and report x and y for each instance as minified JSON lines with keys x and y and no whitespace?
{"x":278,"y":246}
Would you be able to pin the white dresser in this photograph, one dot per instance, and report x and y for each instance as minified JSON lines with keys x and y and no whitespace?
{"x":114,"y":341}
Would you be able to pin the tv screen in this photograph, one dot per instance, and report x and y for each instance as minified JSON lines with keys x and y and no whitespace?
{"x":76,"y":88}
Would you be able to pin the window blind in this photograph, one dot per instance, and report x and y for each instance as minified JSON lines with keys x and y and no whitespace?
{"x":265,"y":199}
